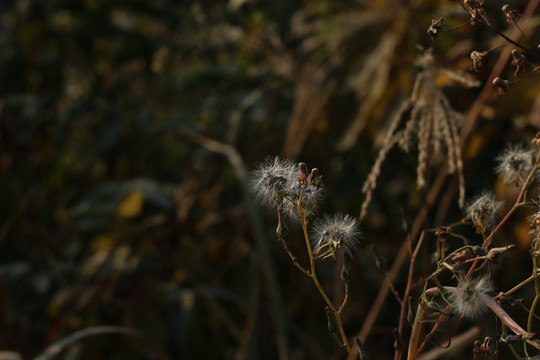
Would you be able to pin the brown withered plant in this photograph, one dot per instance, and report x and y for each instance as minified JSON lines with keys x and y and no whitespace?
{"x":427,"y":118}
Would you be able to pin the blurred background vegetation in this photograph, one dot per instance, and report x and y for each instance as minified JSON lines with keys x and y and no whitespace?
{"x":126,"y":128}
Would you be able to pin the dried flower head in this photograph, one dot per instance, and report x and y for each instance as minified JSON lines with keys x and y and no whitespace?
{"x":476,"y":11}
{"x":271,"y":180}
{"x":278,"y":182}
{"x":312,"y":196}
{"x":466,"y":298}
{"x":333,"y":232}
{"x":518,"y":60}
{"x":502,"y":85}
{"x":483,"y":211}
{"x":435,"y":27}
{"x":478,"y":59}
{"x":511,"y":14}
{"x":514,"y":164}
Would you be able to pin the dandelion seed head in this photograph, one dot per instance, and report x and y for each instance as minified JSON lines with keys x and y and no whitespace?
{"x":277,"y":182}
{"x":270,"y":181}
{"x":466,"y":299}
{"x":334,"y":232}
{"x":483,"y":211}
{"x":514,"y":164}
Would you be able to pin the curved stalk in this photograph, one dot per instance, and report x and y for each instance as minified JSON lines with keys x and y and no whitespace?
{"x":313,"y":276}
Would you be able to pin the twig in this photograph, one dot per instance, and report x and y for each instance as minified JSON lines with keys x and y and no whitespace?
{"x":404,"y":305}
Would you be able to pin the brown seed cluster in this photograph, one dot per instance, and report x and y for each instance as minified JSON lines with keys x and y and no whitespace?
{"x":431,"y":122}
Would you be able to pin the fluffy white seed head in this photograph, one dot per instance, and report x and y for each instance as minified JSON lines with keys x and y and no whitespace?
{"x":336,"y":231}
{"x":466,"y":298}
{"x":514,"y":164}
{"x":483,"y":211}
{"x":271,"y":180}
{"x":276,"y":182}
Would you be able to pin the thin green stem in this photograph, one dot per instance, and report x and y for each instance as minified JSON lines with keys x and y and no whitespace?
{"x":316,"y":280}
{"x":295,"y":261}
{"x":402,"y":316}
{"x":416,"y":332}
{"x":520,"y":285}
{"x":520,"y":200}
{"x":392,"y":289}
{"x":536,"y":287}
{"x":344,"y":299}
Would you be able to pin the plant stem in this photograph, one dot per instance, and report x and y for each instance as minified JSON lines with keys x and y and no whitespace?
{"x":520,"y":200}
{"x":536,"y":286}
{"x":313,"y":276}
{"x":416,"y":332}
{"x":404,"y":304}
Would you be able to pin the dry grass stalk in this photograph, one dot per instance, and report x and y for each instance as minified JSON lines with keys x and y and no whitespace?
{"x":432,"y":122}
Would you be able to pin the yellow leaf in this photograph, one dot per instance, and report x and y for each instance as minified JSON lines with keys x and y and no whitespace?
{"x":131,"y":205}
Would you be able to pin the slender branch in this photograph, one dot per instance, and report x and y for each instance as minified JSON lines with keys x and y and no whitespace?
{"x":520,"y":285}
{"x":536,"y":286}
{"x":474,"y":114}
{"x":402,"y":255}
{"x":416,"y":332}
{"x":344,"y":299}
{"x":404,"y":305}
{"x":316,"y":280}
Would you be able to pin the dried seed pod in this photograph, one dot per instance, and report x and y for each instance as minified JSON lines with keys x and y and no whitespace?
{"x":518,"y":60}
{"x":443,"y":232}
{"x":536,"y":139}
{"x":502,"y":85}
{"x":511,"y":14}
{"x":332,"y":324}
{"x":477,"y":352}
{"x":494,"y":253}
{"x":302,"y":172}
{"x":460,"y":257}
{"x":346,"y":272}
{"x":315,"y":179}
{"x":488,"y":346}
{"x":476,"y":11}
{"x":478,"y":58}
{"x":435,"y":27}
{"x":282,"y":230}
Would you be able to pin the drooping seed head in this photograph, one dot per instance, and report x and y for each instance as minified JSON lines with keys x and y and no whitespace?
{"x":280,"y":183}
{"x":514,"y":164}
{"x":271,"y":180}
{"x":333,"y":232}
{"x":466,"y":298}
{"x":483,"y":211}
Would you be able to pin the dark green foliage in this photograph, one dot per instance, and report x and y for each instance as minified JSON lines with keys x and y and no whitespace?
{"x":114,"y":212}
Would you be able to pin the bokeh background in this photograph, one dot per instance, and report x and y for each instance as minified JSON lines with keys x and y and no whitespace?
{"x":127,"y":129}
